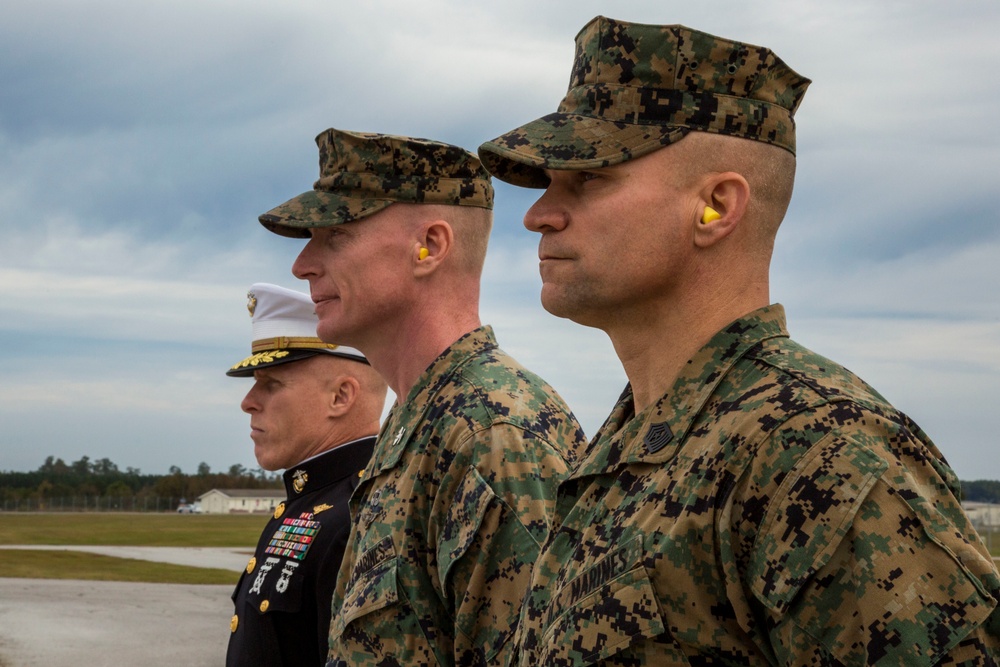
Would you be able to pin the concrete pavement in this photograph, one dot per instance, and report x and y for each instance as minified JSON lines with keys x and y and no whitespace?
{"x":50,"y":623}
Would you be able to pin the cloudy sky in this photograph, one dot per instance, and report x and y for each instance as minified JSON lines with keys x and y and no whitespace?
{"x":139,"y":142}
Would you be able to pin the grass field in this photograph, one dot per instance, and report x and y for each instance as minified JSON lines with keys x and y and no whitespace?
{"x":107,"y":529}
{"x":20,"y":564}
{"x":159,"y":530}
{"x":139,"y":529}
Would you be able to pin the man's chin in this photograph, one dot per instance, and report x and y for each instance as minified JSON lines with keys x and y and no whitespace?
{"x":556,"y":303}
{"x":267,"y":462}
{"x":570,"y":309}
{"x":334,"y":335}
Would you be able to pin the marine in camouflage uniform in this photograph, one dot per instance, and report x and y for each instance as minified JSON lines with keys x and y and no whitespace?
{"x":458,"y":496}
{"x":763,"y":506}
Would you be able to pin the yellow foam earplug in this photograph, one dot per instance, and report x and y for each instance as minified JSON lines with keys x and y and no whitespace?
{"x":710,"y":215}
{"x":424,"y":252}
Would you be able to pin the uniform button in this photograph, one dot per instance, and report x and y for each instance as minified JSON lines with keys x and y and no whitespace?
{"x":234,"y":623}
{"x":279,"y":510}
{"x":252,"y":564}
{"x":264,"y":605}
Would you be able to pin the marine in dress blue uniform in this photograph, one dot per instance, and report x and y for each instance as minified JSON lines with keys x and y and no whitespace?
{"x":282,"y":602}
{"x":303,"y":419}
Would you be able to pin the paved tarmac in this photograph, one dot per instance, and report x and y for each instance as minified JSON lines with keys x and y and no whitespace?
{"x":53,"y":623}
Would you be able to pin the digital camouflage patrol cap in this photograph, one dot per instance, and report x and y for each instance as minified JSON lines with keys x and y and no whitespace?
{"x":361,"y":173}
{"x":635,"y":88}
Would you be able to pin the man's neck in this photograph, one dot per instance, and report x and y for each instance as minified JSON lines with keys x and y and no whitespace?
{"x":349,"y":441}
{"x":414,"y":345}
{"x":655,"y":349}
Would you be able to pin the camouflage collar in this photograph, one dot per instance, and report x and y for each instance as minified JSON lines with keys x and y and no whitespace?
{"x":404,"y":419}
{"x":655,"y":435}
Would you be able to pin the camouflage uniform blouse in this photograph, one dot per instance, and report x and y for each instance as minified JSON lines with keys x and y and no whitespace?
{"x":451,"y":513}
{"x":770,"y":509}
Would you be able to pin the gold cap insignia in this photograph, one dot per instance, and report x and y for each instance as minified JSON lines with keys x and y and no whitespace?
{"x":299,"y":479}
{"x":251,"y":302}
{"x":279,"y":510}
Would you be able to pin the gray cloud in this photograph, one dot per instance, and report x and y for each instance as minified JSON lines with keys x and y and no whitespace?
{"x":138,"y":143}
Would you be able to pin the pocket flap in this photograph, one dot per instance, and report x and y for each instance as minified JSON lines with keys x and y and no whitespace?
{"x":609,"y":607}
{"x":814,"y":508}
{"x":372,"y":586}
{"x":465,"y":516}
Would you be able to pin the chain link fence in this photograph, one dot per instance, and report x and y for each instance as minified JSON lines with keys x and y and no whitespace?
{"x":86,"y":503}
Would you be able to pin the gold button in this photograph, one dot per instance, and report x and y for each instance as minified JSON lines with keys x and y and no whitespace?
{"x":279,"y":510}
{"x":361,"y":474}
{"x":252,"y":564}
{"x":264,"y":605}
{"x":234,"y":623}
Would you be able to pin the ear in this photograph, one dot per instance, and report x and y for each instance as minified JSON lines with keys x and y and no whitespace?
{"x":729,"y":194}
{"x":343,"y":395}
{"x":438,"y":238}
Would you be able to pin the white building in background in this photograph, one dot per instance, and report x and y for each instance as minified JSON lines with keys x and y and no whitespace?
{"x":982,"y":514}
{"x":240,"y":501}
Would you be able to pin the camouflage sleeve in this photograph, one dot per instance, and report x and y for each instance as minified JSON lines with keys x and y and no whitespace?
{"x":864,"y":557}
{"x":493,"y":524}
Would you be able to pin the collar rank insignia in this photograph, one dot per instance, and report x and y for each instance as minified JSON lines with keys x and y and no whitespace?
{"x":299,"y":479}
{"x":657,"y":437}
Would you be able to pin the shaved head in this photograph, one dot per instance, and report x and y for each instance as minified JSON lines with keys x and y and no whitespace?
{"x":769,"y":170}
{"x":471,"y":226}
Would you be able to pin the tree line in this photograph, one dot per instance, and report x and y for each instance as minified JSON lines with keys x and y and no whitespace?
{"x":57,"y":479}
{"x":102,"y":477}
{"x":981,"y":491}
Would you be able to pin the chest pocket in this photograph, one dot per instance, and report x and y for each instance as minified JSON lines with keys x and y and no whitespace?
{"x":275,"y":586}
{"x":376,"y":622}
{"x":812,"y":512}
{"x":372,"y":587}
{"x":465,"y":517}
{"x":601,"y":612}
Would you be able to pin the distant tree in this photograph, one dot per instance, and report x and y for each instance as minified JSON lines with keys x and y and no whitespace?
{"x":54,"y":466}
{"x":81,"y":467}
{"x":171,"y":486}
{"x":237,"y":470}
{"x":981,"y":491}
{"x":175,"y":470}
{"x":118,"y":489}
{"x":103,"y":467}
{"x":203,"y":469}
